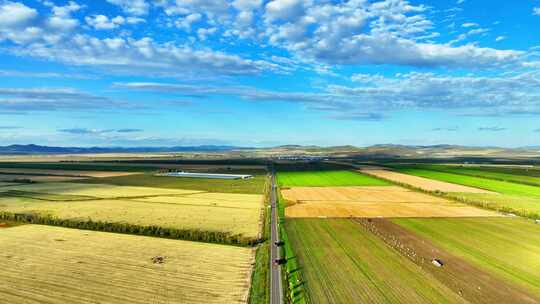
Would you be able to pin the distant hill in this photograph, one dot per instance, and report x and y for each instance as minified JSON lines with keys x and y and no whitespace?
{"x":37,"y":149}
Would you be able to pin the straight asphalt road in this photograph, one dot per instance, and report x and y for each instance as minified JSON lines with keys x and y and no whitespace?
{"x":276,"y":288}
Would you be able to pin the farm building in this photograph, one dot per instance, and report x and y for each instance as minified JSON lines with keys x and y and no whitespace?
{"x":206,"y":175}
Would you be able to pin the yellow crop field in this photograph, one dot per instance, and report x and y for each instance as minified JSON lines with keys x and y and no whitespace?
{"x":96,"y":190}
{"x":375,"y":194}
{"x":180,"y":212}
{"x":43,"y":264}
{"x":372,"y":201}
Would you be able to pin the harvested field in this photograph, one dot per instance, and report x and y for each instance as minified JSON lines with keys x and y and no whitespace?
{"x":386,"y":201}
{"x":38,"y":178}
{"x":470,"y":282}
{"x":96,"y":190}
{"x":421,"y":182}
{"x":42,"y":264}
{"x":316,"y":209}
{"x":506,"y":248}
{"x":371,"y":194}
{"x":180,"y":212}
{"x":73,"y":173}
{"x":343,"y":263}
{"x":326,"y":179}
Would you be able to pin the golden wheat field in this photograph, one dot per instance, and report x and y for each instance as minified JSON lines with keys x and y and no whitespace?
{"x":145,"y":206}
{"x":372,"y":201}
{"x":43,"y":264}
{"x":421,"y":182}
{"x":374,"y":194}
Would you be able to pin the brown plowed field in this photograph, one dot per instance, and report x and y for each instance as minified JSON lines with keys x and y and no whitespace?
{"x":421,"y":182}
{"x":470,"y":282}
{"x":384,"y":201}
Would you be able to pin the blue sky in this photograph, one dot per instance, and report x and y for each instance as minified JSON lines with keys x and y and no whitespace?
{"x":264,"y":73}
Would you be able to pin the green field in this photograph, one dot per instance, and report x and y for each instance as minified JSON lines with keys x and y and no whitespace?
{"x":343,"y":263}
{"x":528,"y":176}
{"x":509,"y":248}
{"x":514,"y":197}
{"x":254,"y":185}
{"x":326,"y":179}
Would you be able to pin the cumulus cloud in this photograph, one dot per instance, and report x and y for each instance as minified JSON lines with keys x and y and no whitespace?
{"x":102,"y":22}
{"x":132,"y":7}
{"x":14,"y":14}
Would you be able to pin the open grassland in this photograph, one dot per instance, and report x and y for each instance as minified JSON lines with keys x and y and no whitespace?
{"x":507,"y":248}
{"x":523,"y":175}
{"x":326,"y":179}
{"x":41,"y":264}
{"x":236,"y":214}
{"x":254,"y":185}
{"x":343,"y":263}
{"x":373,"y":201}
{"x":423,"y":182}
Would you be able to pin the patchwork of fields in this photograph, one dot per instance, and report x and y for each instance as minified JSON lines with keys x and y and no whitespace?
{"x":507,"y":194}
{"x":43,"y":264}
{"x":362,"y":262}
{"x":342,"y":263}
{"x":236,"y":214}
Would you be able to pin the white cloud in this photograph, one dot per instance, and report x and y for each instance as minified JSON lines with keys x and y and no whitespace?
{"x":132,"y":7}
{"x":61,"y":19}
{"x":186,"y":22}
{"x":536,"y":11}
{"x":285,"y":9}
{"x":14,"y":14}
{"x":101,"y":22}
{"x":500,"y":38}
{"x":469,"y":24}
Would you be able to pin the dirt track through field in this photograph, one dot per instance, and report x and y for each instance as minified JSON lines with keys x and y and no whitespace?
{"x":473,"y":284}
{"x":421,"y":182}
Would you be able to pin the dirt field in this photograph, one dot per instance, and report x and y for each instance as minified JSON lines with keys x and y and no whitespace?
{"x":43,"y":264}
{"x":74,"y":173}
{"x":369,"y":194}
{"x":470,"y":282}
{"x":421,"y":182}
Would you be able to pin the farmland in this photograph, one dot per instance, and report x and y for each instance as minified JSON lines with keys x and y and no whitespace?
{"x":508,"y":248}
{"x":372,"y":201}
{"x":236,"y":214}
{"x":342,"y":263}
{"x":326,"y":179}
{"x":506,"y":196}
{"x":43,"y":264}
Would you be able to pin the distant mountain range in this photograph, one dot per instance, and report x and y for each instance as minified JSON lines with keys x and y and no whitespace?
{"x":37,"y":149}
{"x":375,"y":150}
